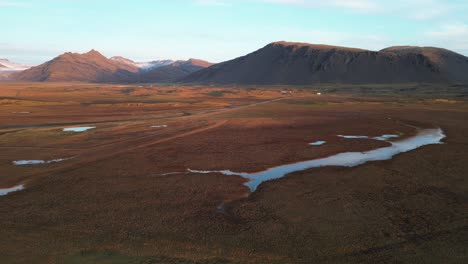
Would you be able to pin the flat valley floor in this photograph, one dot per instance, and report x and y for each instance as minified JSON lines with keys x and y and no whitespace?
{"x":122,"y":194}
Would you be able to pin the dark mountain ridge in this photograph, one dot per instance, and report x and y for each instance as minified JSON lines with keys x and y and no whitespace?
{"x":302,"y":63}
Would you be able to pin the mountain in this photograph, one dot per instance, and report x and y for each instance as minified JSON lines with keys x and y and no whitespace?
{"x":6,"y":65}
{"x":451,"y":64}
{"x":303,"y":64}
{"x":8,"y":69}
{"x":123,"y":60}
{"x":172,"y":72}
{"x":87,"y":67}
{"x":144,"y":66}
{"x":94,"y":67}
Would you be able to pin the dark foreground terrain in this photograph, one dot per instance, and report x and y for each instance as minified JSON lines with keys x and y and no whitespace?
{"x":113,"y":201}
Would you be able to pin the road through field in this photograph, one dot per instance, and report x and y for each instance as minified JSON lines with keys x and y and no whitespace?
{"x":15,"y":128}
{"x":112,"y":149}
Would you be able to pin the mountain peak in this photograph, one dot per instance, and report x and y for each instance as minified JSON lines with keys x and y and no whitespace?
{"x":93,"y":52}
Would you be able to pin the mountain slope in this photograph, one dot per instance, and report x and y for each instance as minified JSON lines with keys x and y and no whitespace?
{"x":6,"y":65}
{"x":8,"y":69}
{"x":144,"y":66}
{"x":302,"y":64}
{"x":173,"y":72}
{"x":88,"y":67}
{"x":449,"y":63}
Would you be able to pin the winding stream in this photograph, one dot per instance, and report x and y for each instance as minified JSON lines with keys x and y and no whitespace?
{"x":345,"y":159}
{"x":12,"y":189}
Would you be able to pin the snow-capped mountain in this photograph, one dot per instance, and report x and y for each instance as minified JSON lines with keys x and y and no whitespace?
{"x":6,"y":65}
{"x":144,"y":66}
{"x":154,"y":64}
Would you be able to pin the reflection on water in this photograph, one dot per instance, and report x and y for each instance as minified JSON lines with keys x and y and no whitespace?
{"x":12,"y":189}
{"x":346,"y":159}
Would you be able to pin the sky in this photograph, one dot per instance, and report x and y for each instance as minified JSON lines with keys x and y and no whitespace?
{"x":34,"y":31}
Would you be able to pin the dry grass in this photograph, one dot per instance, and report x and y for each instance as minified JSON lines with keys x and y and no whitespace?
{"x":109,"y":204}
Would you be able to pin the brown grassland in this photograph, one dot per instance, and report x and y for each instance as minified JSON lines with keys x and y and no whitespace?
{"x":113,"y":203}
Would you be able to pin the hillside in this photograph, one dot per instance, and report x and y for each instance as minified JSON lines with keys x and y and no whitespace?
{"x":451,"y":64}
{"x":172,"y":72}
{"x":87,"y":67}
{"x":144,"y":66}
{"x":9,"y":68}
{"x":302,"y":64}
{"x":7,"y":65}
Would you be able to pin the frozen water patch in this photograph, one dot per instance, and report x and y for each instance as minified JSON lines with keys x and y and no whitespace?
{"x":317,"y":143}
{"x":77,"y":129}
{"x":346,"y":159}
{"x":36,"y":162}
{"x":10,"y":190}
{"x":171,"y":173}
{"x":384,"y":137}
{"x":351,"y":137}
{"x":161,"y":126}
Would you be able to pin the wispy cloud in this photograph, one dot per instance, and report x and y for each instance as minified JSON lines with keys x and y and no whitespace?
{"x":451,"y":36}
{"x":212,"y":3}
{"x":339,"y":38}
{"x":413,"y":9}
{"x":356,"y":5}
{"x":13,"y":4}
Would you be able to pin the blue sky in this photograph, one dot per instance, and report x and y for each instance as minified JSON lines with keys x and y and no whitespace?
{"x":216,"y":30}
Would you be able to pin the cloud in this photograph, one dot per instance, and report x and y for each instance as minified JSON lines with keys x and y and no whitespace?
{"x":413,"y":9}
{"x":426,"y":9}
{"x":451,"y":36}
{"x":13,"y":4}
{"x":212,"y":3}
{"x":338,"y":38}
{"x":355,"y":5}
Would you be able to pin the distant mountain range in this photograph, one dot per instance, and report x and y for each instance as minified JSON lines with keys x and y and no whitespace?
{"x":6,"y":65}
{"x":144,"y":66}
{"x":94,"y":67}
{"x":172,"y":72}
{"x":303,"y":64}
{"x":8,"y":68}
{"x":287,"y":63}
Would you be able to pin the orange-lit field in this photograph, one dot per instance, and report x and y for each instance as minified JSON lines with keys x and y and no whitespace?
{"x":123,"y":194}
